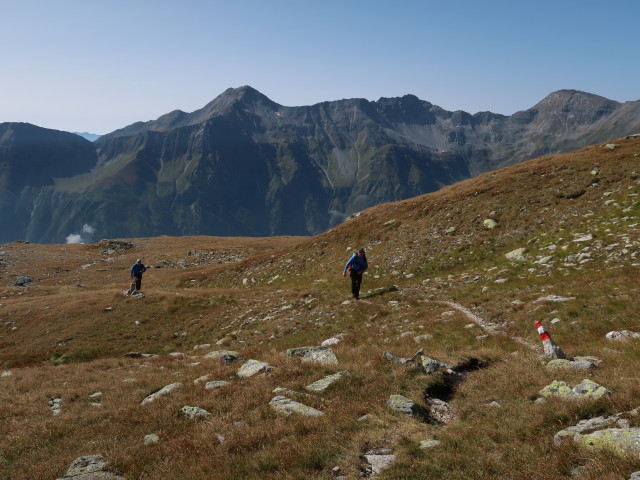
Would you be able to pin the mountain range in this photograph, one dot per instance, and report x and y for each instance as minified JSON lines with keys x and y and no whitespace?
{"x":245,"y":165}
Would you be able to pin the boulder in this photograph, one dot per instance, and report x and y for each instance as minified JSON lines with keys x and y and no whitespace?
{"x":321,"y":355}
{"x":588,"y":389}
{"x":252,"y":367}
{"x":161,"y":393}
{"x":287,"y":406}
{"x":90,"y":467}
{"x":622,"y":441}
{"x":226,"y":356}
{"x":588,"y":425}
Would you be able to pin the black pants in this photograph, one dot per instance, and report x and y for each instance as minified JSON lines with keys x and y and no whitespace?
{"x":138,"y":280}
{"x":356,"y":280}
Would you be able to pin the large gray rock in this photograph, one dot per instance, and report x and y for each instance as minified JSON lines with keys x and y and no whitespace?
{"x":90,"y":467}
{"x":161,"y":393}
{"x":405,"y":405}
{"x":321,"y":355}
{"x":622,"y":335}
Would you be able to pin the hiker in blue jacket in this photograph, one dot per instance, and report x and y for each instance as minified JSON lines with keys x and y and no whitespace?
{"x":136,"y":273}
{"x":356,"y":265}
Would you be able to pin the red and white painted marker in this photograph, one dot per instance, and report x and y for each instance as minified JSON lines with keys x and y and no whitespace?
{"x":551,"y":349}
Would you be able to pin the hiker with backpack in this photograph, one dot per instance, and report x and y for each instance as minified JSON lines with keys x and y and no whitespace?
{"x":356,"y":265}
{"x":136,"y":274}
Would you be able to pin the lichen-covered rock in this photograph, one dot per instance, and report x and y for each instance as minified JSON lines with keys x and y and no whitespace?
{"x":588,"y":425}
{"x":324,"y":383}
{"x":193,"y":412}
{"x":489,"y":223}
{"x":517,"y":254}
{"x":621,"y":441}
{"x":429,"y":443}
{"x":587,"y":389}
{"x":566,"y":364}
{"x":635,"y":476}
{"x":90,"y":467}
{"x":405,"y":405}
{"x":432,"y":366}
{"x":321,"y":355}
{"x":252,"y":367}
{"x":287,"y":406}
{"x":215,"y":384}
{"x":161,"y":393}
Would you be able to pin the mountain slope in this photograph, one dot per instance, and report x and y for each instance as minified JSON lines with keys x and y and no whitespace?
{"x":438,"y":280}
{"x":245,"y":165}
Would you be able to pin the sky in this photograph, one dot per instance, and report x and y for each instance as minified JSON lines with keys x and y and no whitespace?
{"x":96,"y":66}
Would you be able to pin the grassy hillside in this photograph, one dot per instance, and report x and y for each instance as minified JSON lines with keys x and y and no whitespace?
{"x":438,"y":280}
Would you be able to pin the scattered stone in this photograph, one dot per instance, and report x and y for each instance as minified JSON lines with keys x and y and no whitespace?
{"x":215,"y":384}
{"x":611,"y":146}
{"x":565,"y":364}
{"x":583,"y":238}
{"x":432,"y":366}
{"x":139,"y":355}
{"x":377,"y":463}
{"x":321,"y":355}
{"x":178,"y":355}
{"x":22,"y":281}
{"x":201,"y":379}
{"x":517,"y":254}
{"x":287,"y":406}
{"x":588,"y":389}
{"x":252,"y":367}
{"x":219,"y":354}
{"x":429,"y":443}
{"x":204,"y":346}
{"x":194,"y":412}
{"x":405,"y":405}
{"x":55,"y":404}
{"x":367,"y":417}
{"x":6,"y":373}
{"x":622,"y":335}
{"x":422,"y":338}
{"x":622,"y":441}
{"x":151,"y":439}
{"x":161,"y":393}
{"x":450,"y":230}
{"x":330,"y":341}
{"x":324,"y":383}
{"x":555,"y":298}
{"x":635,"y":476}
{"x":90,"y":467}
{"x":490,"y":223}
{"x":440,"y":412}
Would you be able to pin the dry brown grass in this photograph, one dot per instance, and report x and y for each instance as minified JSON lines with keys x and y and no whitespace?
{"x":59,"y":341}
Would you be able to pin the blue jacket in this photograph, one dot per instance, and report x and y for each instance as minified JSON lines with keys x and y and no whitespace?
{"x":358,"y":264}
{"x":138,"y":270}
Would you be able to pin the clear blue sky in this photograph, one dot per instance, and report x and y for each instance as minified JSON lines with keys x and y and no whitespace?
{"x":100,"y":65}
